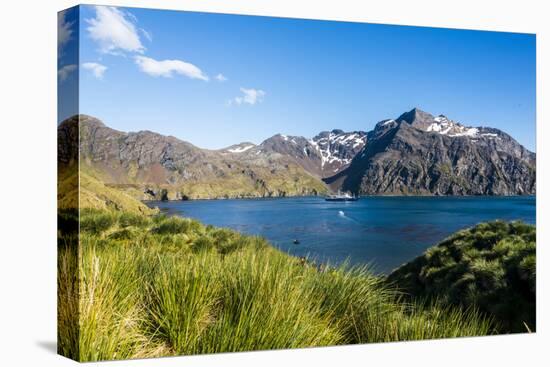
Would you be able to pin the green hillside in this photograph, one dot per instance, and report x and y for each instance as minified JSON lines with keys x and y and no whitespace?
{"x":95,"y":194}
{"x":85,"y":191}
{"x":491,"y":266}
{"x":290,"y":182}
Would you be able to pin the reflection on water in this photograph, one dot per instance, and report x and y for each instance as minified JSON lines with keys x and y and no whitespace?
{"x":382,"y":231}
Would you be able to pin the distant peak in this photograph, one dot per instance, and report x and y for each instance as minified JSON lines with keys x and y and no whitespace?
{"x":415,"y":116}
{"x":418,"y":111}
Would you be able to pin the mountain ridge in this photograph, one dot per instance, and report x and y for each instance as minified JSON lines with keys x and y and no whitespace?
{"x":152,"y":166}
{"x":415,"y":154}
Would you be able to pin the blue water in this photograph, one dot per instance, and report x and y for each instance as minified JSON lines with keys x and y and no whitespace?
{"x":384,"y":232}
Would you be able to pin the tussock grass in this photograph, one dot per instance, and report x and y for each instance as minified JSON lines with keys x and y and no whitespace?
{"x":68,"y":295}
{"x":491,"y":266}
{"x":157,"y":286}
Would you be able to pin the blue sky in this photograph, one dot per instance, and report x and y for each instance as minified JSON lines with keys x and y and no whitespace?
{"x":215,"y":80}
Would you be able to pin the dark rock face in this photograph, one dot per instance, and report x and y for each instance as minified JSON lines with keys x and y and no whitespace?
{"x":419,"y":154}
{"x":67,"y":142}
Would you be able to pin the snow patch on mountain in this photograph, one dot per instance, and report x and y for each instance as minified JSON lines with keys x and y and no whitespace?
{"x":240,"y":149}
{"x":337,"y":146}
{"x":444,"y":126}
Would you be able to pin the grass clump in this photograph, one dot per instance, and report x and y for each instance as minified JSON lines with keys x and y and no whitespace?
{"x":490,"y":266}
{"x":98,"y":222}
{"x":174,"y":225}
{"x":159,"y":286}
{"x":181,"y":302}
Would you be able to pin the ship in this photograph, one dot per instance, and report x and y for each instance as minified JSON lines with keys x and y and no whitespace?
{"x":346,"y":196}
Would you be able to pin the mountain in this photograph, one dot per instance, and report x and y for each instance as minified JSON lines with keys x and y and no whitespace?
{"x":419,"y":154}
{"x":414,"y":154}
{"x":338,"y":148}
{"x":322,"y":156}
{"x":148,"y":165}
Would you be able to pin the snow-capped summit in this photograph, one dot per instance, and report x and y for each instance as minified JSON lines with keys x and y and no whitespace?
{"x":443,"y":125}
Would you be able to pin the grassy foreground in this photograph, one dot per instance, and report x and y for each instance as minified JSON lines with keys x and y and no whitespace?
{"x":156,"y":286}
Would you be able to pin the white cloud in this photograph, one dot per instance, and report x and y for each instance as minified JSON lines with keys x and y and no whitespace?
{"x":114,"y":30}
{"x":64,"y":32}
{"x":64,"y":72}
{"x":250,"y":96}
{"x":97,"y":70}
{"x":167,"y":68}
{"x":220,"y":77}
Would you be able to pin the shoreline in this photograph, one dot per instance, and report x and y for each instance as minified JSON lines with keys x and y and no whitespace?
{"x":360,"y":197}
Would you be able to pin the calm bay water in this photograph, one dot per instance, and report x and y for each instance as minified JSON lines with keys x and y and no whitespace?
{"x":382,"y":231}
